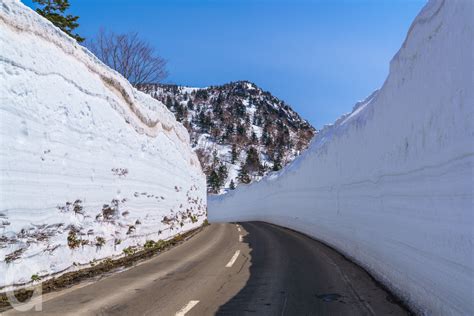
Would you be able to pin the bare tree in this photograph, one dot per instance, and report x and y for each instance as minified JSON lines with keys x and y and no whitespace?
{"x":131,"y":56}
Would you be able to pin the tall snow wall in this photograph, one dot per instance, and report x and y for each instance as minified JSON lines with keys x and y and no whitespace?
{"x":88,"y":165}
{"x":390,"y":185}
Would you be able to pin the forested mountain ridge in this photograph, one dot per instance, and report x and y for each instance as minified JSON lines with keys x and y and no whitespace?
{"x":239,"y":131}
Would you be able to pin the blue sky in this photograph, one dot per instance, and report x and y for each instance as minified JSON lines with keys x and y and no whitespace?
{"x":319,"y":56}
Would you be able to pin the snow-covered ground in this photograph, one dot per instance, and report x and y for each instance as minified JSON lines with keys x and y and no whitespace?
{"x":391,"y":184}
{"x":88,"y":165}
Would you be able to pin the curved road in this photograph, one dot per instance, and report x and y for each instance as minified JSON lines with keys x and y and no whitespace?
{"x":227,"y":269}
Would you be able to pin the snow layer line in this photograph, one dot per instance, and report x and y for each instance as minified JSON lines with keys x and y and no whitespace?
{"x":390,"y":185}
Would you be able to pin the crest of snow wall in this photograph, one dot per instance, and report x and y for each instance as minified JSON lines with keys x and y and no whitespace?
{"x":391,"y":184}
{"x":89,"y":165}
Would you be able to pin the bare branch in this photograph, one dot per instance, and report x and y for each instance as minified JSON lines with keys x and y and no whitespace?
{"x":131,"y":56}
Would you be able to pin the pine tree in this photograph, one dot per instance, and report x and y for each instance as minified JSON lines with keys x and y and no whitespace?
{"x":213,"y":182}
{"x":239,"y":109}
{"x":222,"y":172}
{"x":234,"y":154}
{"x":185,"y":112}
{"x":232,"y":185}
{"x":169,"y":102}
{"x":218,"y":111}
{"x":181,"y":112}
{"x":276,"y":164}
{"x":264,"y":137}
{"x":205,"y":121}
{"x":247,"y":120}
{"x":240,"y":129}
{"x":202,"y":94}
{"x":229,"y":131}
{"x":254,"y":138}
{"x":190,"y":105}
{"x":53,"y":10}
{"x":243,"y":175}
{"x":252,"y":163}
{"x":220,"y":99}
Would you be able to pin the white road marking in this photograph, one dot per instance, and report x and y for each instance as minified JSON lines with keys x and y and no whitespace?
{"x":186,"y":308}
{"x":232,"y":260}
{"x":240,"y":238}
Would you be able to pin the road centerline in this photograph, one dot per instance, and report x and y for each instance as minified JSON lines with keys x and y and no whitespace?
{"x":187,"y":308}
{"x":233,"y":259}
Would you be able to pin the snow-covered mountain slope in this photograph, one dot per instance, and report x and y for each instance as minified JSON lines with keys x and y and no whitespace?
{"x":240,"y":132}
{"x":89,"y":165}
{"x":391,"y":184}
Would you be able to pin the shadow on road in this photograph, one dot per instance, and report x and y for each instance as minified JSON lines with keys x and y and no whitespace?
{"x":292,"y":274}
{"x":254,"y":297}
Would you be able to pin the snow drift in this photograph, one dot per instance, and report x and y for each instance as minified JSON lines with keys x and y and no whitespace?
{"x":391,"y":184}
{"x":89,"y":165}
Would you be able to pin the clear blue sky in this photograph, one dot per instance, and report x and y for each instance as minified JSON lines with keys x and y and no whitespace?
{"x":319,"y":56}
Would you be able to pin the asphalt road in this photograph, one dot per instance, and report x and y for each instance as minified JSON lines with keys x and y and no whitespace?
{"x":228,"y":269}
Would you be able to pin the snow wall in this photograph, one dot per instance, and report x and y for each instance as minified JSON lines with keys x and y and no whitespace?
{"x":89,"y":165}
{"x":390,"y":185}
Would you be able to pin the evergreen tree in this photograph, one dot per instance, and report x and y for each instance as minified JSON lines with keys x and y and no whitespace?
{"x":181,"y":112}
{"x":188,"y":126}
{"x":247,"y":120}
{"x":243,"y":175}
{"x":232,"y":185}
{"x":190,"y":105}
{"x":239,"y":109}
{"x":185,"y":112}
{"x":252,"y":163}
{"x":276,"y":164}
{"x":217,"y":175}
{"x":53,"y":10}
{"x":169,"y":102}
{"x":218,"y":111}
{"x":219,"y":99}
{"x":264,"y":137}
{"x":234,"y":154}
{"x":213,"y":184}
{"x":194,"y":119}
{"x":202,"y":94}
{"x":254,"y":138}
{"x":240,"y":129}
{"x":229,"y":131}
{"x":205,"y":121}
{"x":222,"y":173}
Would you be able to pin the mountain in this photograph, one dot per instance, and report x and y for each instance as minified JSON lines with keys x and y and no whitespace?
{"x":390,"y":185}
{"x":239,"y":132}
{"x":90,"y":166}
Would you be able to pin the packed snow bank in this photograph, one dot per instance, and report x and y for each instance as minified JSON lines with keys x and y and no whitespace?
{"x":391,"y":184}
{"x":89,"y":166}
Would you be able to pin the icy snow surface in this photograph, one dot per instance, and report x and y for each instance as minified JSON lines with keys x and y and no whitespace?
{"x":83,"y":155}
{"x":391,"y":184}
